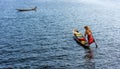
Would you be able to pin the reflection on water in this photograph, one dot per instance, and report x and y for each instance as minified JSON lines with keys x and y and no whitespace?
{"x":89,"y":54}
{"x":89,"y":64}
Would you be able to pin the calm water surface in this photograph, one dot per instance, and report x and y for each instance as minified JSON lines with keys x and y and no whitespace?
{"x":44,"y":40}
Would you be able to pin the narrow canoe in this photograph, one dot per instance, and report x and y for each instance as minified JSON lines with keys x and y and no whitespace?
{"x":86,"y":46}
{"x":30,"y":9}
{"x":79,"y":38}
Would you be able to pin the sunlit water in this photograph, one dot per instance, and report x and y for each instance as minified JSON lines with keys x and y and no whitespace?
{"x":44,"y":40}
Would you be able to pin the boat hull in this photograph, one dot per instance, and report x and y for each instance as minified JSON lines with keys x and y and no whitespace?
{"x":32,"y":9}
{"x":86,"y":46}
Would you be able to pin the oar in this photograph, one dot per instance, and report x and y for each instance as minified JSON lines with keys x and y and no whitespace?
{"x":95,"y":42}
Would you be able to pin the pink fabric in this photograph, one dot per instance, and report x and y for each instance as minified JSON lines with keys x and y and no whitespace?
{"x":90,"y":39}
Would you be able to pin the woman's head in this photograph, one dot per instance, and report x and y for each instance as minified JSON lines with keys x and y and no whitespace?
{"x":86,"y":27}
{"x":76,"y":30}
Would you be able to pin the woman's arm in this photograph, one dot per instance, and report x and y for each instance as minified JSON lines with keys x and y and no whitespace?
{"x":85,"y":34}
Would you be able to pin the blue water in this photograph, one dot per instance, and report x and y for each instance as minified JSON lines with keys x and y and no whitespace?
{"x":43,"y":39}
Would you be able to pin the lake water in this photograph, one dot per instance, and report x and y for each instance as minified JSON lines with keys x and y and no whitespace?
{"x":43,"y":39}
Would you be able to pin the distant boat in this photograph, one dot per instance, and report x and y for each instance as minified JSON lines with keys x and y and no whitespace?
{"x":28,"y":9}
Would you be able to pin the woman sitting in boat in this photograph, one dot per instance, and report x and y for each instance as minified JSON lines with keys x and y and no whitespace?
{"x":79,"y":36}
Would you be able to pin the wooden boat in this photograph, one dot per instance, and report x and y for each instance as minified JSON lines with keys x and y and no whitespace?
{"x":80,"y":42}
{"x":29,"y":9}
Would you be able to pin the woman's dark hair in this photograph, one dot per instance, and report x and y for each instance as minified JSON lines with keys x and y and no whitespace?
{"x":77,"y":31}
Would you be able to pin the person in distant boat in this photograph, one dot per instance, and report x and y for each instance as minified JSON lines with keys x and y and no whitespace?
{"x":88,"y":33}
{"x":79,"y":36}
